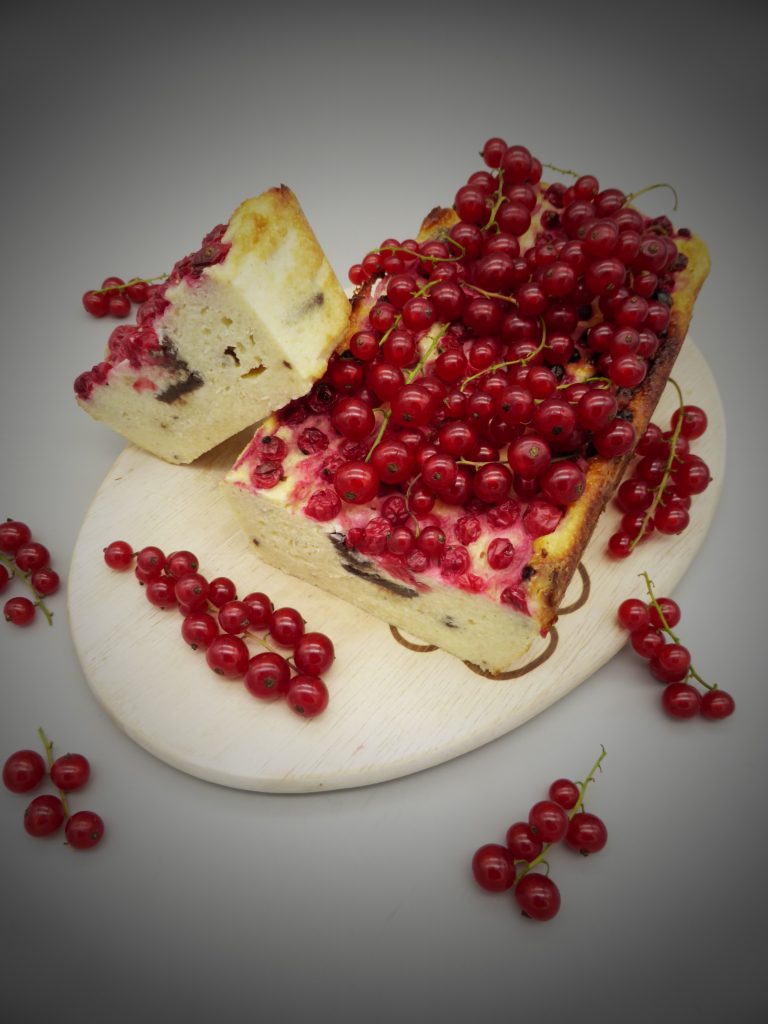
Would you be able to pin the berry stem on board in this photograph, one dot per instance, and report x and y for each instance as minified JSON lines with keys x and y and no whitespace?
{"x":13,"y":570}
{"x":526,"y":867}
{"x":649,"y":512}
{"x":48,"y":745}
{"x":692,"y":673}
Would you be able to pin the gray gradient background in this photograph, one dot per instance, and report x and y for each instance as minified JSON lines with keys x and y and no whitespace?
{"x":126,"y":133}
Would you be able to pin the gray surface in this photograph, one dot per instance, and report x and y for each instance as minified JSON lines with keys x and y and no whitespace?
{"x":126,"y":134}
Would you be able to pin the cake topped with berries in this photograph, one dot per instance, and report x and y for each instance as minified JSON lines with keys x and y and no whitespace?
{"x":447,"y":471}
{"x":239,"y":327}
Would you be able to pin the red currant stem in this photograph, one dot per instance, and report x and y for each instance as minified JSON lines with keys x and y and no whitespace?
{"x":122,"y":287}
{"x":408,"y":506}
{"x":490,"y":295}
{"x":667,"y":469}
{"x":25,"y":577}
{"x":500,"y":366}
{"x":649,"y":188}
{"x":391,"y":249}
{"x":529,"y":865}
{"x":562,"y":170}
{"x":692,"y":673}
{"x":587,"y":380}
{"x":49,"y":758}
{"x":497,"y":201}
{"x":398,"y":319}
{"x":408,"y":380}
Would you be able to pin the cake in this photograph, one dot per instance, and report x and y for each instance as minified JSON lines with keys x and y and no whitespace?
{"x":448,"y":470}
{"x":237,"y":329}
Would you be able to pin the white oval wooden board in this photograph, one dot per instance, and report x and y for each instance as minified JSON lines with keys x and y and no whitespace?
{"x":392,"y":711}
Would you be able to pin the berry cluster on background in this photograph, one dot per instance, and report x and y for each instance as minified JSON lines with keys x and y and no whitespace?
{"x":27,"y":560}
{"x":25,"y":770}
{"x":651,"y":627}
{"x":218,"y":623}
{"x":560,"y":818}
{"x":116,"y":297}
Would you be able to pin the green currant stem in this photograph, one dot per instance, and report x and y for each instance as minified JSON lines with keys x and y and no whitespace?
{"x":587,"y":380}
{"x":136,"y":280}
{"x":408,"y":506}
{"x":658,"y":494}
{"x":562,"y":170}
{"x":391,"y":249}
{"x":27,"y":579}
{"x":497,"y":201}
{"x":399,"y":317}
{"x":500,"y":366}
{"x":49,"y":758}
{"x":649,"y":188}
{"x":408,"y":380}
{"x":529,"y":865}
{"x":490,"y":295}
{"x":692,"y":673}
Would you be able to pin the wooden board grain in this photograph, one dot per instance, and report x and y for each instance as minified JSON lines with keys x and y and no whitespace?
{"x":393,"y":710}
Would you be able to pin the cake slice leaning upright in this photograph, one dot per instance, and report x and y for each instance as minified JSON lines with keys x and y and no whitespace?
{"x":447,"y":472}
{"x":238,"y":328}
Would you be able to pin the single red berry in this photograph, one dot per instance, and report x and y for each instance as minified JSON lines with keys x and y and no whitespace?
{"x":181,"y":563}
{"x":84,"y":830}
{"x":669,"y":609}
{"x":70,"y":771}
{"x":494,"y":867}
{"x":160,"y":592}
{"x":647,"y":641}
{"x":220,"y":590}
{"x":586,"y":833}
{"x":96,"y":303}
{"x":565,"y":793}
{"x":118,"y":555}
{"x":286,"y":627}
{"x":19,"y":610}
{"x":267,"y":675}
{"x":32,"y":555}
{"x":228,"y":656}
{"x":537,"y":896}
{"x":44,"y":815}
{"x":119,"y":305}
{"x":45,"y":581}
{"x":522,"y":843}
{"x":694,"y":421}
{"x":12,"y":535}
{"x":191,"y":592}
{"x":356,"y":482}
{"x":150,"y":560}
{"x":313,"y":654}
{"x":259,"y":610}
{"x":681,"y":700}
{"x":234,"y":617}
{"x":307,"y":695}
{"x":198,"y":629}
{"x":548,"y":820}
{"x":137,"y":291}
{"x":23,"y":771}
{"x":716,"y":704}
{"x":633,"y":613}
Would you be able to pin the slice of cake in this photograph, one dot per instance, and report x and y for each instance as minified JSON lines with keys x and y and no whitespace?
{"x":448,"y":470}
{"x":239,"y":327}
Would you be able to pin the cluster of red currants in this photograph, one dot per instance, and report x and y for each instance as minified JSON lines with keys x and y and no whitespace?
{"x":116,"y":296}
{"x":649,"y":624}
{"x":27,"y":560}
{"x":217,"y":622}
{"x":561,"y":817}
{"x":657,"y":493}
{"x":25,"y":770}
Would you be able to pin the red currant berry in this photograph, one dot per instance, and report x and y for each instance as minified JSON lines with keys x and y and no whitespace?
{"x":198,"y":629}
{"x":522,"y":843}
{"x":19,"y":611}
{"x":151,"y":561}
{"x":84,"y":830}
{"x":45,"y":581}
{"x":23,"y":771}
{"x":119,"y":305}
{"x":356,"y":482}
{"x":32,"y":555}
{"x":220,"y":590}
{"x":96,"y":303}
{"x":286,"y":627}
{"x":565,"y":793}
{"x":12,"y":535}
{"x":671,"y":519}
{"x":228,"y":656}
{"x":181,"y":563}
{"x":633,"y":613}
{"x":160,"y":592}
{"x":307,"y":696}
{"x":267,"y":675}
{"x":259,"y":610}
{"x":716,"y":704}
{"x":493,"y":867}
{"x":665,"y":613}
{"x":548,"y":821}
{"x":44,"y":815}
{"x":537,"y":896}
{"x":313,"y":654}
{"x":353,"y":418}
{"x":191,"y":592}
{"x":647,"y":641}
{"x":234,"y":617}
{"x":681,"y":700}
{"x":137,"y":290}
{"x":118,"y":555}
{"x":586,"y":833}
{"x":620,"y":544}
{"x":694,"y":421}
{"x":70,"y":771}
